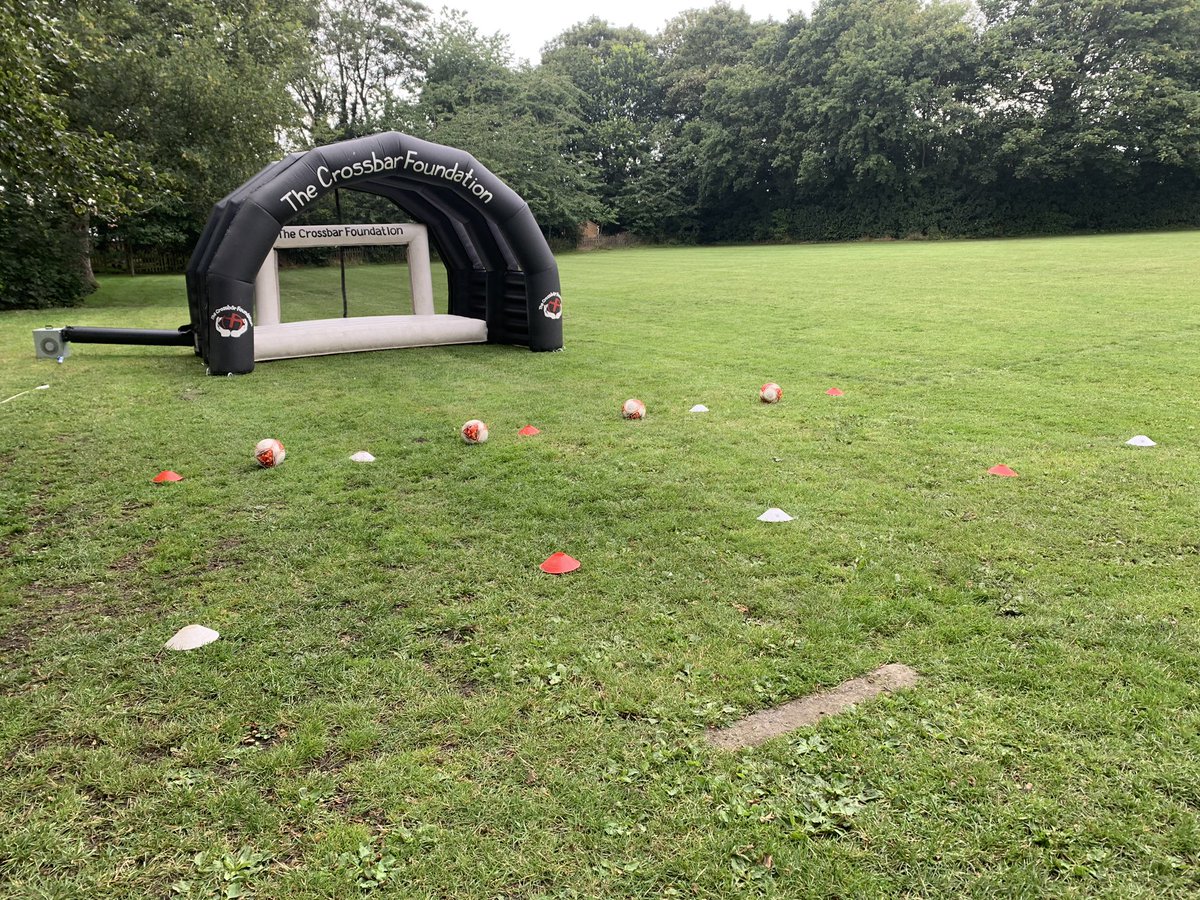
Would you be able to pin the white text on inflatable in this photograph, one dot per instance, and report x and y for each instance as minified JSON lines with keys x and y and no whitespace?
{"x":410,"y":162}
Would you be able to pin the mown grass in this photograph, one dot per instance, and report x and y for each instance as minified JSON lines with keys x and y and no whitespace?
{"x":401,"y":704}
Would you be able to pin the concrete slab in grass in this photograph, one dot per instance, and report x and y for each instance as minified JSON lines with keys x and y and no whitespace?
{"x":762,"y":726}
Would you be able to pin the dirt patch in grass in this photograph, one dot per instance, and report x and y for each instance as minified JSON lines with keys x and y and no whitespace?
{"x":134,"y":559}
{"x":46,"y":612}
{"x":224,"y":555}
{"x":14,"y":640}
{"x":50,"y":608}
{"x":53,"y":604}
{"x":762,"y":726}
{"x":330,"y":762}
{"x":43,"y":520}
{"x":40,"y":519}
{"x":344,"y":803}
{"x":457,"y":634}
{"x":53,"y":742}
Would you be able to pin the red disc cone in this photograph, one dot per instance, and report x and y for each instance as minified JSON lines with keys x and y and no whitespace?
{"x":834,"y":392}
{"x":1003,"y":470}
{"x":167,"y":475}
{"x":559,"y":564}
{"x":528,"y":430}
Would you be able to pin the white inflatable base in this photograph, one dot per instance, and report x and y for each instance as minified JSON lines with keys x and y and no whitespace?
{"x":322,"y":337}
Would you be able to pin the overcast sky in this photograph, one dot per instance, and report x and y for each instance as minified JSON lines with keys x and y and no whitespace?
{"x":530,"y":24}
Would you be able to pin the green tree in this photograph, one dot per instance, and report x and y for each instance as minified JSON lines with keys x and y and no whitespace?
{"x":672,"y":193}
{"x":195,"y":91}
{"x":695,"y":47}
{"x":882,"y":93}
{"x":615,"y":71}
{"x":53,"y":173}
{"x":369,"y":57}
{"x":721,"y":113}
{"x":463,"y":67}
{"x":1094,"y":85}
{"x":42,"y":152}
{"x":523,"y":124}
{"x":661,"y":199}
{"x":740,"y":184}
{"x":1093,"y":108}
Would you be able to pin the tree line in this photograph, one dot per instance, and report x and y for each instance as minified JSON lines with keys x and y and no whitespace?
{"x":127,"y":119}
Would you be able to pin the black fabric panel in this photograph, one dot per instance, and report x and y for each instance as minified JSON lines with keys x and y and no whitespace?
{"x":476,"y":225}
{"x":542,"y":289}
{"x":545,"y":327}
{"x":510,"y":259}
{"x":193,"y":278}
{"x":527,"y":241}
{"x":248,"y":240}
{"x":441,"y":231}
{"x":464,"y":237}
{"x":499,"y":328}
{"x":206,"y":247}
{"x":229,"y":355}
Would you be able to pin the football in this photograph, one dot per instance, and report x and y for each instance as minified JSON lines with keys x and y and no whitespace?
{"x":770,"y":392}
{"x":269,"y":453}
{"x":474,"y":432}
{"x":633,"y":408}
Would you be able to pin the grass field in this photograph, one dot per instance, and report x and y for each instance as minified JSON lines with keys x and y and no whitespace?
{"x":401,"y":704}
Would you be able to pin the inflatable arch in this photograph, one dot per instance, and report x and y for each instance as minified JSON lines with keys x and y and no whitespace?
{"x":501,"y":273}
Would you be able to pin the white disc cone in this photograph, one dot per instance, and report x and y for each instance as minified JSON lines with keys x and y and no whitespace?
{"x":774,"y":514}
{"x":362,"y":456}
{"x":699,"y":407}
{"x":191,"y":637}
{"x":1140,"y":440}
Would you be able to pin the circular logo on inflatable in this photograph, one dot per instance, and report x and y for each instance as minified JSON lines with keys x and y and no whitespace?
{"x":551,"y":306}
{"x":231,"y":321}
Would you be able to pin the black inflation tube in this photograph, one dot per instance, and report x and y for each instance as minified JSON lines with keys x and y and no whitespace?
{"x":158,"y":337}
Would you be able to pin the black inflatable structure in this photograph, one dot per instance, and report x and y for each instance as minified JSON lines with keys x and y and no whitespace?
{"x":499,"y":266}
